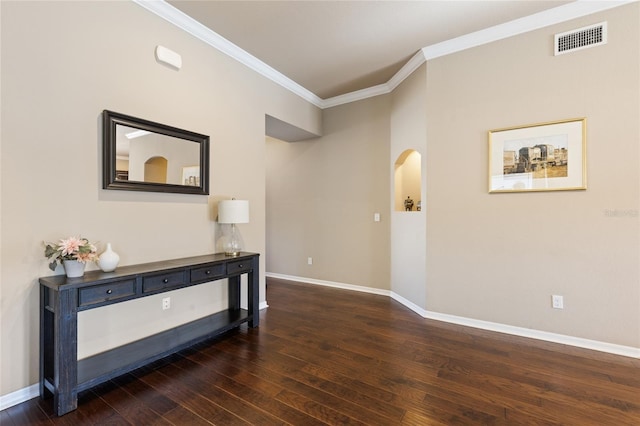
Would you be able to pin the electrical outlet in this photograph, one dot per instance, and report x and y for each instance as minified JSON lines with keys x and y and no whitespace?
{"x":166,"y":303}
{"x":557,"y":302}
{"x":309,"y":261}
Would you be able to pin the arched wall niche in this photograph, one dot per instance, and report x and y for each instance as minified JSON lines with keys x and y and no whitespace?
{"x":407,"y":181}
{"x":155,"y":170}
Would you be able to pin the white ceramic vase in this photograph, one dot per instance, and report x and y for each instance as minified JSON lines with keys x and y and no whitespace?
{"x":73,"y":268}
{"x":108,"y":260}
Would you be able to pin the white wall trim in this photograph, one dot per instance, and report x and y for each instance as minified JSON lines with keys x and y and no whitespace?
{"x":381,"y":89}
{"x":536,"y":21}
{"x":579,"y":342}
{"x":409,"y":304}
{"x":19,"y":396}
{"x":567,"y":12}
{"x":358,"y":95}
{"x":334,"y":284}
{"x":408,"y":69}
{"x":196,"y":29}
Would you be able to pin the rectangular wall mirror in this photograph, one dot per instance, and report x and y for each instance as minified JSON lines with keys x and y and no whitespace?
{"x":140,"y":155}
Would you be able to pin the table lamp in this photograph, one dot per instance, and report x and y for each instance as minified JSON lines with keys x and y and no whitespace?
{"x":233,"y":211}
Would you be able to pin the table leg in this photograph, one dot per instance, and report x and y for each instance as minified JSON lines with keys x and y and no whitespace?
{"x":44,"y":328}
{"x":65,"y":358}
{"x":253,"y":290}
{"x":234,"y":293}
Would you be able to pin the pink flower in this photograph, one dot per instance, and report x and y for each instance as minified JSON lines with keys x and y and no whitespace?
{"x":86,"y":257}
{"x":70,"y":246}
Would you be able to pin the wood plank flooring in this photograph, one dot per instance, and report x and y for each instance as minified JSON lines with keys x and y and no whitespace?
{"x":329,"y":356}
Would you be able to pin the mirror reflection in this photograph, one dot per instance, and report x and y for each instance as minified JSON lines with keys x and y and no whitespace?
{"x":144,"y":156}
{"x":140,"y":155}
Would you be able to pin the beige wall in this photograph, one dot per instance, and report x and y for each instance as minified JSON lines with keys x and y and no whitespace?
{"x":408,"y":229}
{"x":491,"y":257}
{"x":322,"y":195}
{"x":62,"y":64}
{"x":500,"y":257}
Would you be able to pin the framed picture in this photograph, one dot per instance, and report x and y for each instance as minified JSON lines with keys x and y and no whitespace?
{"x":191,"y":176}
{"x":538,"y":157}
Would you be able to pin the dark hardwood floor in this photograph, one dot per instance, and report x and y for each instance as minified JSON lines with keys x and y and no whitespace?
{"x":328,"y":356}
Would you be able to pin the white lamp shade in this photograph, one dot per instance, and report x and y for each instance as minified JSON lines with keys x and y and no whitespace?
{"x":233,"y":211}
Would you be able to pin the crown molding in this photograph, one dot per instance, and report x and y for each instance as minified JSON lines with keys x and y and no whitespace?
{"x":408,"y":69}
{"x":557,"y":15}
{"x":215,"y":40}
{"x":567,"y":12}
{"x":358,"y":95}
{"x":536,"y":21}
{"x":381,"y":89}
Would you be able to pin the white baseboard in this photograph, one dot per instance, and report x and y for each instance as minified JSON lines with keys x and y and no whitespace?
{"x":409,"y":304}
{"x":579,"y":342}
{"x":563,"y":339}
{"x":19,"y":396}
{"x":330,"y":284}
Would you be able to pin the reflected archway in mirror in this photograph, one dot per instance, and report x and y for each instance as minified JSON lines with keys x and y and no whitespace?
{"x":155,"y":170}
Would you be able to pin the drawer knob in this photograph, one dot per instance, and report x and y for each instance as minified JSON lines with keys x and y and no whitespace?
{"x":207,"y":272}
{"x":240,"y":265}
{"x":166,"y":280}
{"x":109,"y":291}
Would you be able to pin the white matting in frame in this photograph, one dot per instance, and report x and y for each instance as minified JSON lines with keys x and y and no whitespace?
{"x":191,"y":176}
{"x":538,"y":157}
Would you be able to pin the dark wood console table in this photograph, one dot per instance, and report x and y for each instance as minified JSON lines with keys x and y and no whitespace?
{"x":61,"y":298}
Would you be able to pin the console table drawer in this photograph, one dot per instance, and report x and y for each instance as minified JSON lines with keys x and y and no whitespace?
{"x":238,"y":267}
{"x":107,"y":292}
{"x":207,"y":273}
{"x":162,"y":281}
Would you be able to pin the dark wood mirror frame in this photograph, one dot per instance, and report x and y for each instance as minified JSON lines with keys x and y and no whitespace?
{"x":110,"y":120}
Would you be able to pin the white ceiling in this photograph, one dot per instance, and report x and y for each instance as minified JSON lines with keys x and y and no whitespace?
{"x":337,"y":47}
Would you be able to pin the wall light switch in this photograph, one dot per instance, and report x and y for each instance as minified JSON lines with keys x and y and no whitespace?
{"x":376,"y":217}
{"x":557,"y":302}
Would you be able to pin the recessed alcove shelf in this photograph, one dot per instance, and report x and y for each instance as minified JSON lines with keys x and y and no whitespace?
{"x":407,"y":181}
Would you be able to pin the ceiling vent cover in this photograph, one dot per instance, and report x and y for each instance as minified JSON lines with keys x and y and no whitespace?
{"x":582,"y":38}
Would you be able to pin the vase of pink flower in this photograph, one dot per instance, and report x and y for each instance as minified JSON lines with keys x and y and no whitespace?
{"x":73,"y":253}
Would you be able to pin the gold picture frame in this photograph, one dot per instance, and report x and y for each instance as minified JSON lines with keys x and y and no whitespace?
{"x":547,"y":156}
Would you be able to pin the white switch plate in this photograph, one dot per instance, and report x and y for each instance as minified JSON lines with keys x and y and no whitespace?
{"x":376,"y":217}
{"x":309,"y":261}
{"x":557,"y":302}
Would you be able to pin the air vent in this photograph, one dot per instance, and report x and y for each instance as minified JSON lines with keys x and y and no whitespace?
{"x":582,"y":38}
